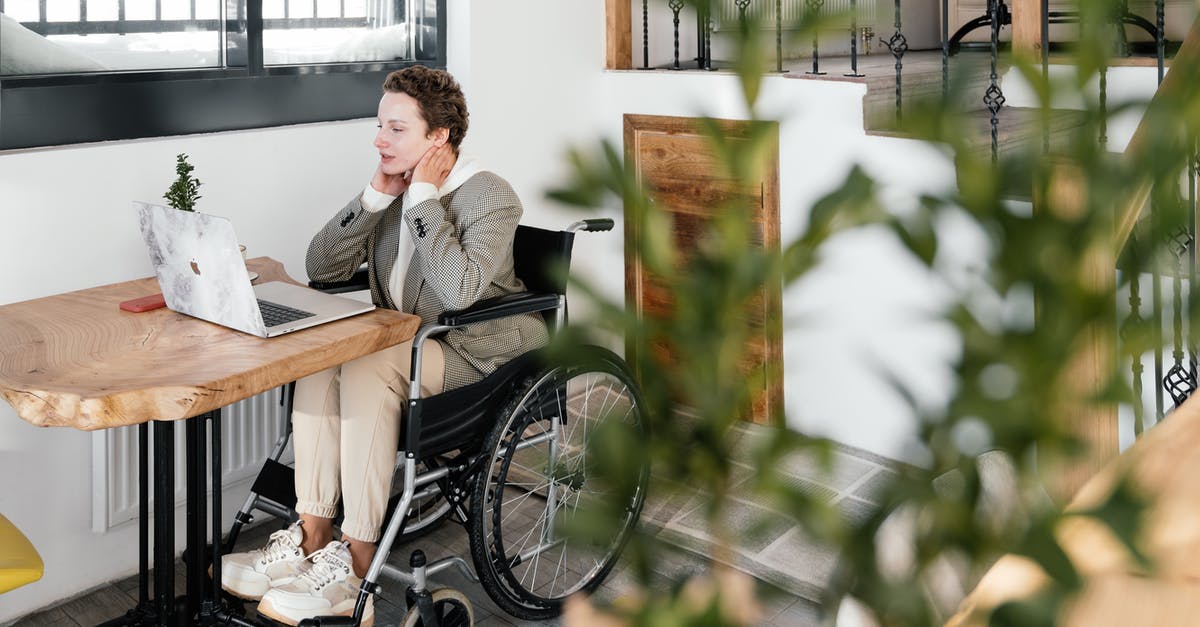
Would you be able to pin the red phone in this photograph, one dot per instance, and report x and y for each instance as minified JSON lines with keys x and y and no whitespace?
{"x":145,"y":303}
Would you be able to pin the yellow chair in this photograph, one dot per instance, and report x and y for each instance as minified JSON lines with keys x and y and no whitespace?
{"x":19,"y":561}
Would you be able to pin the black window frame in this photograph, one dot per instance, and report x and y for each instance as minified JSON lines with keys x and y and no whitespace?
{"x":64,"y":109}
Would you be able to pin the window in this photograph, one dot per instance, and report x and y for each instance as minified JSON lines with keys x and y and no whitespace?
{"x":90,"y":70}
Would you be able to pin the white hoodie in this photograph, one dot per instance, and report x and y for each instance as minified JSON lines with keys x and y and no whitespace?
{"x":464,"y":168}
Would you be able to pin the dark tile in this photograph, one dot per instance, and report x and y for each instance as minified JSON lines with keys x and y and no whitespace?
{"x":873,"y":487}
{"x":811,"y":488}
{"x":667,"y":501}
{"x":389,"y":609}
{"x":99,"y":606}
{"x":855,"y":510}
{"x":54,"y":617}
{"x":754,"y":527}
{"x":842,"y":471}
{"x":796,"y":563}
{"x":801,"y":613}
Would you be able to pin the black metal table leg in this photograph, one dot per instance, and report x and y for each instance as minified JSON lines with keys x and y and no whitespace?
{"x":144,"y":612}
{"x":196,"y":529}
{"x":211,"y":607}
{"x":202,"y":604}
{"x":164,"y":522}
{"x":212,"y":600}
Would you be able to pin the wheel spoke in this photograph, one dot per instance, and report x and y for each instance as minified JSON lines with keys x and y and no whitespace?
{"x":530,"y":486}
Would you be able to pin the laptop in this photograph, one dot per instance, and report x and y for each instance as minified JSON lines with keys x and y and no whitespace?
{"x":202,"y":274}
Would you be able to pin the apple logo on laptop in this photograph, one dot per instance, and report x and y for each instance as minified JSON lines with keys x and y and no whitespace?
{"x":195,"y":268}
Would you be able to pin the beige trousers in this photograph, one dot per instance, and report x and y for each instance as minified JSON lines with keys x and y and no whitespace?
{"x":346,"y":429}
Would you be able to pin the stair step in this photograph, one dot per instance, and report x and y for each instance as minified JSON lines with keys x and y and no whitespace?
{"x":1020,"y":132}
{"x":1017,"y":127}
{"x":1020,"y":127}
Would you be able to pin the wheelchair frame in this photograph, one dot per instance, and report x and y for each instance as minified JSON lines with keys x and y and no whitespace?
{"x":469,"y":476}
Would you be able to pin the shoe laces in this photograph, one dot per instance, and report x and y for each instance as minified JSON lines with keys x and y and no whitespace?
{"x":279,"y":546}
{"x":327,"y":567}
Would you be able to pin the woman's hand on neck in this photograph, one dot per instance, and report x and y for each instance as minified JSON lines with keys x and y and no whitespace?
{"x":435,"y":165}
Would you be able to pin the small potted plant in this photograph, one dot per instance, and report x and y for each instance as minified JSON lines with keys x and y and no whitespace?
{"x":183,"y":193}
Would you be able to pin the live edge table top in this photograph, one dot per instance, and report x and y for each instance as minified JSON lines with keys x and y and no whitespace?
{"x":78,"y":360}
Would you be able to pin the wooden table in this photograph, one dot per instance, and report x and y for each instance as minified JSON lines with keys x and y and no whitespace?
{"x":1164,"y":464}
{"x":77,"y":360}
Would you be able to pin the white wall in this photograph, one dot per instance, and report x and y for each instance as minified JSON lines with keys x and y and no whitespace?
{"x":865,"y":312}
{"x":69,"y":225}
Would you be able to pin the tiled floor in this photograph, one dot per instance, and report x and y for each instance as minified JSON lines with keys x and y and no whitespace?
{"x":791,"y":569}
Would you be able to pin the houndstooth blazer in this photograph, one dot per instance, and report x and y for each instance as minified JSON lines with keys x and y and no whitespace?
{"x":463,"y":253}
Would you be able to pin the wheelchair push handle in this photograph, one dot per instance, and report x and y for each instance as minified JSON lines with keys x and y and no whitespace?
{"x":594,"y":224}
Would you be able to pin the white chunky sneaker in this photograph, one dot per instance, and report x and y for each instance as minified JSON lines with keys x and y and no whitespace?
{"x":250,"y":575}
{"x":327,"y":588}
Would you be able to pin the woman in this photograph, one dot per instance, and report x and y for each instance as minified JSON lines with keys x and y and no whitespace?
{"x":436,"y":232}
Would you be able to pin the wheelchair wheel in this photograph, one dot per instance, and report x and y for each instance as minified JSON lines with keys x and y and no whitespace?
{"x":537,"y":476}
{"x":450,"y":607}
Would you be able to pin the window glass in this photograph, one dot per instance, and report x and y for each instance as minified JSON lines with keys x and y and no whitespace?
{"x":127,"y":69}
{"x":92,"y":36}
{"x":347,"y":31}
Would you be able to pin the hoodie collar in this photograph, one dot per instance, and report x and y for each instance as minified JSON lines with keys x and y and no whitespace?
{"x":464,"y":168}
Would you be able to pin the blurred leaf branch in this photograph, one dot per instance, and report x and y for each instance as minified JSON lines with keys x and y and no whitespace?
{"x":1024,"y":322}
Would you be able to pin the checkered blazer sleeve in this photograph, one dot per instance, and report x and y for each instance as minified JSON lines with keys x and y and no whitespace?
{"x":462,"y":259}
{"x":340,"y":247}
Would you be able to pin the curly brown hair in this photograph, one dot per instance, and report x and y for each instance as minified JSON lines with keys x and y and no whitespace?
{"x":438,"y":95}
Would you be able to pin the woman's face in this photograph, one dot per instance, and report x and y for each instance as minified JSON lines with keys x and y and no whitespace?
{"x":403,"y":135}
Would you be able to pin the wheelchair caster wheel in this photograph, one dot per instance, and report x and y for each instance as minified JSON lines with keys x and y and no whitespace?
{"x":448,"y":608}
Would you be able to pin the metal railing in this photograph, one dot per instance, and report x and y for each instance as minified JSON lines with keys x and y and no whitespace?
{"x":771,"y":14}
{"x":1163,"y":306}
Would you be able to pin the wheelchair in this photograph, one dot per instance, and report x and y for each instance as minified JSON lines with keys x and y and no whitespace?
{"x":506,"y":457}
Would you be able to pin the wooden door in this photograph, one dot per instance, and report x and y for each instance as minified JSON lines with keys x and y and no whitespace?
{"x":674,"y":162}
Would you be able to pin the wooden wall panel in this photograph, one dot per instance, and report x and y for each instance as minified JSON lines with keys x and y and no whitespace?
{"x":683,"y":176}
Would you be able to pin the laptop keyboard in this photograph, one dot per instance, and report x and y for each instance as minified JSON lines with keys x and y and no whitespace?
{"x":274,"y":313}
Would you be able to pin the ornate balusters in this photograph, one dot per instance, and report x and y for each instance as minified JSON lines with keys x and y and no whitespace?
{"x":945,"y":49}
{"x":676,"y":6}
{"x":741,"y":5}
{"x":814,"y":11}
{"x":853,"y":41}
{"x":1131,"y":323}
{"x":1180,"y":380}
{"x":1157,"y":318}
{"x":898,"y":45}
{"x":1046,"y":74}
{"x":645,"y":34}
{"x":704,"y":32}
{"x":1160,"y":38}
{"x":779,"y":36}
{"x":1193,"y":169}
{"x":993,"y":98}
{"x":1103,"y":106}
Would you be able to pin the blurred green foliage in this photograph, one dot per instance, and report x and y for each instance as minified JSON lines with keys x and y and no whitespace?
{"x":1013,"y":375}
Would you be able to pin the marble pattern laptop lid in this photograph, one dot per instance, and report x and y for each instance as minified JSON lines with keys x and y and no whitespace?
{"x":199,"y":267}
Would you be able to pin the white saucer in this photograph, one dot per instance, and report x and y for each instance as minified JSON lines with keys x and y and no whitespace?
{"x":253,"y":275}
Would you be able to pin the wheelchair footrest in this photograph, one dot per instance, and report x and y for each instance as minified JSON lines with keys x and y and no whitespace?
{"x":277,"y":482}
{"x":329,"y":621}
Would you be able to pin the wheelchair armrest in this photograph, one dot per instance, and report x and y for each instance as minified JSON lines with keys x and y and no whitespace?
{"x":355,"y":283}
{"x":500,"y":307}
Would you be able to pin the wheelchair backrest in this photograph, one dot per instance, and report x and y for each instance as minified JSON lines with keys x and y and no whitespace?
{"x":543,"y":260}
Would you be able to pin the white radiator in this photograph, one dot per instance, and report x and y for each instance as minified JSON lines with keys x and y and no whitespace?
{"x":791,"y":11}
{"x":249,"y":430}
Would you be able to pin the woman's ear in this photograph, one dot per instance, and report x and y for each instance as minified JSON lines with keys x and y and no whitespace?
{"x":441,"y":136}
